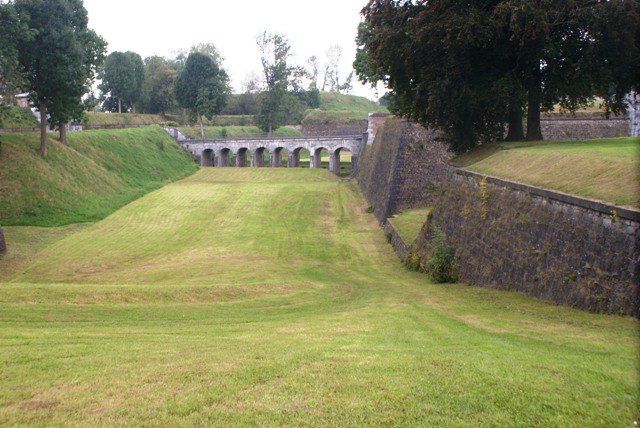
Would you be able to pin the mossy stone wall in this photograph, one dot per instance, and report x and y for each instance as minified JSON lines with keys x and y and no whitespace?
{"x":584,"y":255}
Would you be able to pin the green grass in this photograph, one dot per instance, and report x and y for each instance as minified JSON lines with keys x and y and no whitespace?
{"x":99,"y":118}
{"x":605,"y":169}
{"x":98,"y":172}
{"x":341,"y":109}
{"x":269,"y":297}
{"x":16,"y":117}
{"x":238,"y":132}
{"x":409,"y":222}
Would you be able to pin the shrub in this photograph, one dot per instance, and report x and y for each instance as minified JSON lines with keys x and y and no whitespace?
{"x":371,"y":209}
{"x":442,"y":265}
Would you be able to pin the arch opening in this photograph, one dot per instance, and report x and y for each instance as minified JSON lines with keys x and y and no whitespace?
{"x":241,"y":157}
{"x":225,"y":157}
{"x":208,"y":158}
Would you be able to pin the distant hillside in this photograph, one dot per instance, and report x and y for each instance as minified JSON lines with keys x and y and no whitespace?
{"x":341,"y":109}
{"x":97,"y":173}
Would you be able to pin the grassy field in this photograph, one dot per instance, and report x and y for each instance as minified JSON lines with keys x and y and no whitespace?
{"x":605,"y":169}
{"x":409,"y":222}
{"x":270,"y":297}
{"x":98,"y":172}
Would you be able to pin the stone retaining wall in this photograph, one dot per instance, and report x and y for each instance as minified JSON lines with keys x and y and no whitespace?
{"x":546,"y":244}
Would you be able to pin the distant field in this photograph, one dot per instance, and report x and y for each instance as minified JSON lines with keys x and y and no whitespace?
{"x":269,"y":297}
{"x":605,"y":169}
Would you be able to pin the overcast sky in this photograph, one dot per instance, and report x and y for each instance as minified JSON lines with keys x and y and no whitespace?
{"x":162,"y":27}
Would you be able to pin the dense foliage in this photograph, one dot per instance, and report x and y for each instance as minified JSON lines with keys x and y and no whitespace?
{"x":202,"y":86}
{"x":470,"y":68}
{"x":123,"y":79}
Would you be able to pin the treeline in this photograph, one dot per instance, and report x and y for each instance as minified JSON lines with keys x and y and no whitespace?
{"x":47,"y":50}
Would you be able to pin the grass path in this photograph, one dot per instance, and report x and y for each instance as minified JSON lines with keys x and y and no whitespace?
{"x":269,"y":297}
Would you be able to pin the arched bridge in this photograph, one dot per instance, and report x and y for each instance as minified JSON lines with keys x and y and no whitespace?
{"x":253,"y":152}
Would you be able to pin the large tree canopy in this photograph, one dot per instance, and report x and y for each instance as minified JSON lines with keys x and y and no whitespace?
{"x":123,"y":77}
{"x":470,"y":68}
{"x":60,"y":59}
{"x":202,"y":86}
{"x":157,"y":91}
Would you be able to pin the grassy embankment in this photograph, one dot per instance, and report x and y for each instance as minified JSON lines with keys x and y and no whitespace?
{"x":269,"y":297}
{"x":98,"y":172}
{"x":604,"y":169}
{"x":341,"y":109}
{"x":16,"y":117}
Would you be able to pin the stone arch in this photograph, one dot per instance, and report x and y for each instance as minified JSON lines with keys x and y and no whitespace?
{"x":241,"y":157}
{"x":334,"y":159}
{"x":294,"y":156}
{"x":275,"y":157}
{"x":207,"y":158}
{"x":257,"y":157}
{"x":315,"y":156}
{"x":225,"y":155}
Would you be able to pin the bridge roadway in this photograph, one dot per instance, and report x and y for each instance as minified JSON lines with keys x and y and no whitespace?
{"x":234,"y":152}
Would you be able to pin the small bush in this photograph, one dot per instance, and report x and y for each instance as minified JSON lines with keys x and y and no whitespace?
{"x":442,"y":265}
{"x":371,"y":209}
{"x":414,"y":262}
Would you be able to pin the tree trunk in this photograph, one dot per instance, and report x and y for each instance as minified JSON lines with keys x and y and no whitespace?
{"x":534,"y":98}
{"x":63,"y":133}
{"x":119,"y":106}
{"x":43,"y":128}
{"x":534,"y":129}
{"x":516,"y":131}
{"x":201,"y":125}
{"x":3,"y":244}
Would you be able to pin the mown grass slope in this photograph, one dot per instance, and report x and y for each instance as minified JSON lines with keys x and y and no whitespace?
{"x":603,"y":169}
{"x":270,"y":297}
{"x":98,"y":172}
{"x":341,"y":109}
{"x":16,"y":117}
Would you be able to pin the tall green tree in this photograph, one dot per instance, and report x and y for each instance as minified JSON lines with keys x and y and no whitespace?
{"x":202,"y":86}
{"x":12,"y":31}
{"x":60,"y":60}
{"x":157,"y":93}
{"x":274,"y":54}
{"x":469,"y":68}
{"x":123,"y":77}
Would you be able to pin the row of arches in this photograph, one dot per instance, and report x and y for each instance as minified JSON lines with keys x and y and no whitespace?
{"x":317,"y":157}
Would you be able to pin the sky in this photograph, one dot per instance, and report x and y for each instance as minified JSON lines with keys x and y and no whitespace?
{"x":163,"y":27}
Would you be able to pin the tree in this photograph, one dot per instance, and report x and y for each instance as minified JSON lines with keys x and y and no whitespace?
{"x":469,"y":68}
{"x":59,"y":61}
{"x":123,"y":77}
{"x":202,"y":86}
{"x":12,"y":30}
{"x":275,"y":52}
{"x":439,"y":64}
{"x":157,"y":91}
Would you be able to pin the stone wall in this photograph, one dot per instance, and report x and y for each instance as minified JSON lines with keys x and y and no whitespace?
{"x":357,"y":127}
{"x":570,"y":128}
{"x":548,"y":245}
{"x":402,"y":167}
